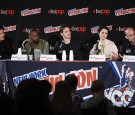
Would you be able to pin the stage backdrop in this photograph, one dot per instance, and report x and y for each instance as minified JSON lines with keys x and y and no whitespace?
{"x":83,"y":16}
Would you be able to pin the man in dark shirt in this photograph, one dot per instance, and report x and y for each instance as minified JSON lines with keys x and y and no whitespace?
{"x":98,"y":103}
{"x":128,"y":47}
{"x":35,"y":42}
{"x":6,"y":45}
{"x":79,"y":47}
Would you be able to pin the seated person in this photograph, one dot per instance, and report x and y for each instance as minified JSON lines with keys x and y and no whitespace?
{"x":104,"y":46}
{"x":73,"y":81}
{"x":98,"y":103}
{"x":80,"y":49}
{"x":6,"y":45}
{"x":128,"y":46}
{"x":34,"y":42}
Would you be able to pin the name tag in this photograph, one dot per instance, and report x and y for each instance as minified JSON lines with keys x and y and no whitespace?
{"x":19,"y":57}
{"x":128,"y":58}
{"x":44,"y":57}
{"x":97,"y":58}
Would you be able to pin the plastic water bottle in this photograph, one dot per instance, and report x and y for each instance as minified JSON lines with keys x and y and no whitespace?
{"x":64,"y":56}
{"x":71,"y":55}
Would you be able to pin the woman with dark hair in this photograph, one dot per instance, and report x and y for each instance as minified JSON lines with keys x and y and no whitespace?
{"x":104,"y":46}
{"x":62,"y":100}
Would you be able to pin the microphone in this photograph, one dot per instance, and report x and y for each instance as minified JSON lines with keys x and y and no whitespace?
{"x":97,"y":50}
{"x":32,"y":51}
{"x":60,"y":46}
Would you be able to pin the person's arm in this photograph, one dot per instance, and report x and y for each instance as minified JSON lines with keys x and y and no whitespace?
{"x":115,"y":56}
{"x":114,"y":50}
{"x":121,"y":51}
{"x":8,"y":50}
{"x":58,"y":46}
{"x":46,"y":48}
{"x":93,"y":51}
{"x":26,"y":48}
{"x":23,"y":46}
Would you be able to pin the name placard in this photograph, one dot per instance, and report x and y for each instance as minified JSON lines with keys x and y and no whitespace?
{"x":19,"y":57}
{"x":97,"y":58}
{"x":128,"y":58}
{"x":44,"y":57}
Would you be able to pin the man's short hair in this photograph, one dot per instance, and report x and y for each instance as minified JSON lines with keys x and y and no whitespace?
{"x":97,"y":85}
{"x":62,"y":27}
{"x":33,"y":30}
{"x":1,"y":27}
{"x":127,"y":29}
{"x":72,"y":80}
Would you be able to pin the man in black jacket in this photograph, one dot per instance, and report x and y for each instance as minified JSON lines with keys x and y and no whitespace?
{"x":128,"y":46}
{"x":6,"y":45}
{"x":79,"y":47}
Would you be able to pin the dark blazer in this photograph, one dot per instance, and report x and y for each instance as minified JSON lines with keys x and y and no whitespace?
{"x":126,"y":48}
{"x":79,"y":47}
{"x":6,"y":48}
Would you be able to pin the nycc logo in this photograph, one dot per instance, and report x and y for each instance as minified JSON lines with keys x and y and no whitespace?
{"x":75,"y":11}
{"x":122,"y":11}
{"x":122,"y":94}
{"x":7,"y":12}
{"x":85,"y":78}
{"x":121,"y":28}
{"x":95,"y":29}
{"x":78,"y":29}
{"x":102,"y":11}
{"x":56,"y":12}
{"x":120,"y":98}
{"x":10,"y":28}
{"x":27,"y":30}
{"x":27,"y":12}
{"x":51,"y":29}
{"x":39,"y":74}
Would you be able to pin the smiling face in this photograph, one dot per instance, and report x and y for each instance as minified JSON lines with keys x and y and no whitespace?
{"x":103,"y":34}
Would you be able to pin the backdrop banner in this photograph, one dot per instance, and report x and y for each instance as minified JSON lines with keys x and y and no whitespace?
{"x":83,"y":17}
